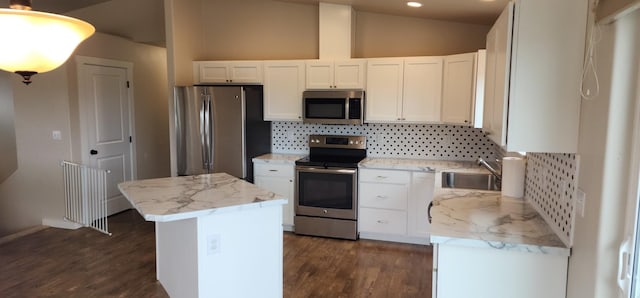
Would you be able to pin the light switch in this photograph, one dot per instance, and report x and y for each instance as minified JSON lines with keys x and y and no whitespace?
{"x":56,"y":135}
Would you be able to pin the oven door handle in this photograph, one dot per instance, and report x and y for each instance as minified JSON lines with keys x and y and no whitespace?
{"x":323,"y":170}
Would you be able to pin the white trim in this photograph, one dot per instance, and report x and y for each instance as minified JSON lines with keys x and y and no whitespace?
{"x":633,"y":193}
{"x":18,"y":235}
{"x":60,"y":223}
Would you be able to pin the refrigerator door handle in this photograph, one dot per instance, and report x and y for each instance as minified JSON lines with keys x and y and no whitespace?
{"x":203,"y":132}
{"x":209,"y":137}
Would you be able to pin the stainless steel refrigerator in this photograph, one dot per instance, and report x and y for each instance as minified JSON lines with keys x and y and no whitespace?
{"x":220,"y":129}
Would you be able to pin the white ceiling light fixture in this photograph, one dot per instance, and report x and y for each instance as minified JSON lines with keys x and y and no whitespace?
{"x":414,"y":4}
{"x":36,"y":42}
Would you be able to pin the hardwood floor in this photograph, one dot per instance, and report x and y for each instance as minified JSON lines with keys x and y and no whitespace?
{"x":85,"y":263}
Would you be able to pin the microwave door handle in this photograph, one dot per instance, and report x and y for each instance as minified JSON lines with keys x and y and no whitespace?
{"x":346,"y":108}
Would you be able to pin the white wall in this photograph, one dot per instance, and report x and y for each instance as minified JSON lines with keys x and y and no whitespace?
{"x":34,"y":192}
{"x":604,"y":148}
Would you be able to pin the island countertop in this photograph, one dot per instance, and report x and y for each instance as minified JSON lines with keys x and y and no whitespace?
{"x":176,"y":198}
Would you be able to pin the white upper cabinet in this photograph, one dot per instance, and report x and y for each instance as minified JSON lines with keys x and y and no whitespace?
{"x":422,"y":89}
{"x":384,"y":90}
{"x":404,"y":90}
{"x":240,"y":72}
{"x":339,"y":74}
{"x":533,"y":76}
{"x":284,"y":82}
{"x":458,"y":89}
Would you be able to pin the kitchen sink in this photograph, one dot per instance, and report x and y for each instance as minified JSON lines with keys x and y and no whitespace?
{"x":479,"y":181}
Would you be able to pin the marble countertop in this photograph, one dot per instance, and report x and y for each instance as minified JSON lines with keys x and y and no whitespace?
{"x":278,"y":158}
{"x":420,"y":165}
{"x":176,"y":198}
{"x":490,"y":220}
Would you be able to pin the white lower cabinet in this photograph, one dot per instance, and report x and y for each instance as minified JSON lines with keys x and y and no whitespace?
{"x":393,"y":205}
{"x":278,"y":178}
{"x":495,"y":273}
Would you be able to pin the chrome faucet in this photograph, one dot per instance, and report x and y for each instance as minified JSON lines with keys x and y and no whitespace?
{"x":494,"y":172}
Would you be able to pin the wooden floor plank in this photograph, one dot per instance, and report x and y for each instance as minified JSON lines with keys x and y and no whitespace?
{"x":84,"y":263}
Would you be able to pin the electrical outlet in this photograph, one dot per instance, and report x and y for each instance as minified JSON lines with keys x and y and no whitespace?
{"x":213,"y":244}
{"x":56,"y":135}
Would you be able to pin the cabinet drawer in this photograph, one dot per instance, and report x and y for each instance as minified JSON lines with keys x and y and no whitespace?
{"x":382,"y":221}
{"x":273,"y":170}
{"x":387,"y":196}
{"x":399,"y":177}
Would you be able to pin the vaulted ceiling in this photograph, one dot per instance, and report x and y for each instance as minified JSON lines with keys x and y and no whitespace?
{"x":143,"y":20}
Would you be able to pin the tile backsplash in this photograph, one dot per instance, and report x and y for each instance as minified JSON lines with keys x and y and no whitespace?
{"x":551,"y":179}
{"x":420,"y":141}
{"x":550,"y":186}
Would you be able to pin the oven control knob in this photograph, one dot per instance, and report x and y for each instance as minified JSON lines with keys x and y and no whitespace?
{"x":325,"y":211}
{"x":351,"y":142}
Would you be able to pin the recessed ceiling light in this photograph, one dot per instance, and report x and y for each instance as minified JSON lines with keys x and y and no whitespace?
{"x":414,"y":4}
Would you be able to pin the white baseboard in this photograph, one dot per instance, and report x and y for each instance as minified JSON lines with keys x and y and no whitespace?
{"x":60,"y":223}
{"x":14,"y":236}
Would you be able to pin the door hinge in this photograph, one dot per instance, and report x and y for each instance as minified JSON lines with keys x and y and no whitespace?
{"x":128,"y":84}
{"x":130,"y":139}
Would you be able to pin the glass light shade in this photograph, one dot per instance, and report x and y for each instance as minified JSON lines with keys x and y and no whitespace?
{"x":37,"y":42}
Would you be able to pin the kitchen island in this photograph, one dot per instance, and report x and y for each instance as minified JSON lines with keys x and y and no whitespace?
{"x":216,"y":235}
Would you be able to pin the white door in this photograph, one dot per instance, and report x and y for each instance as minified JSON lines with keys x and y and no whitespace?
{"x":105,"y":107}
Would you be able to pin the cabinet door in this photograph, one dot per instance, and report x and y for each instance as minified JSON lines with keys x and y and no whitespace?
{"x":213,"y":72}
{"x":282,"y":186}
{"x":319,"y":74}
{"x":421,"y":194}
{"x":283,"y":87}
{"x":349,"y":74}
{"x":497,"y":80}
{"x":384,"y":90}
{"x":458,"y":88}
{"x":245,"y":72}
{"x":422,"y":89}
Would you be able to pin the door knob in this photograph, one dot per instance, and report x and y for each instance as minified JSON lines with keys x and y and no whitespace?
{"x":93,"y":152}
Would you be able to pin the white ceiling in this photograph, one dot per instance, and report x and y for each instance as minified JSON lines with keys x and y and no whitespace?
{"x":464,"y":11}
{"x":143,"y":20}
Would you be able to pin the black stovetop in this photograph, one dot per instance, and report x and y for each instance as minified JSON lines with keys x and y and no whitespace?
{"x":331,"y":157}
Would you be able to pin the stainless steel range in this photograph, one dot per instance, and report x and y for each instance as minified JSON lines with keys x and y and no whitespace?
{"x":326,"y":195}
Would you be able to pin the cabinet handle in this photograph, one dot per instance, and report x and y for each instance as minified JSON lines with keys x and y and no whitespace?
{"x":381,"y":197}
{"x":429,"y":211}
{"x":382,"y":177}
{"x":273,"y":170}
{"x":380,"y":221}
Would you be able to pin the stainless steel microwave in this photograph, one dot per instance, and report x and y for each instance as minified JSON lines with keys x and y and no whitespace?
{"x":333,"y":106}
